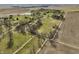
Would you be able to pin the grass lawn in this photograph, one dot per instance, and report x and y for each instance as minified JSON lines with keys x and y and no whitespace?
{"x":32,"y":46}
{"x":47,"y":27}
{"x":48,"y":24}
{"x":19,"y":39}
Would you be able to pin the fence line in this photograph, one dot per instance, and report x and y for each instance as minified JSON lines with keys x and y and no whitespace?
{"x":31,"y":39}
{"x":10,"y":30}
{"x":41,"y":46}
{"x":48,"y":39}
{"x":22,"y":46}
{"x":71,"y":46}
{"x":45,"y":43}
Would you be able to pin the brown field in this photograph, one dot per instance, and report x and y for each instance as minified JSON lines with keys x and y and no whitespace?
{"x":70,"y":33}
{"x":13,"y":10}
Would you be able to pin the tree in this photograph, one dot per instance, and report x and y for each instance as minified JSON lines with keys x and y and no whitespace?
{"x":10,"y":16}
{"x":17,"y":18}
{"x":56,"y":11}
{"x":10,"y":43}
{"x":21,"y":28}
{"x":7,"y":23}
{"x":10,"y":34}
{"x":58,"y":14}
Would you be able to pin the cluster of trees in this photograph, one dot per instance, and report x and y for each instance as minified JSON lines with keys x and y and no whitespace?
{"x":58,"y":14}
{"x":8,"y":26}
{"x":39,"y":13}
{"x":29,"y":27}
{"x":7,"y":22}
{"x":21,"y":28}
{"x":32,"y":24}
{"x":52,"y":36}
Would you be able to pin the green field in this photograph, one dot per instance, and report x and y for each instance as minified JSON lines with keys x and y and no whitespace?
{"x":19,"y":38}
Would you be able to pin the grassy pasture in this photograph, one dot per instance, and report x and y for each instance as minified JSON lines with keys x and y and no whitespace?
{"x":18,"y":38}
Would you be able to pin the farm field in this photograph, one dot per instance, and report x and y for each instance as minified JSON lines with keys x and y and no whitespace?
{"x":24,"y":34}
{"x":46,"y":29}
{"x":68,"y":37}
{"x":70,"y":34}
{"x":67,"y":41}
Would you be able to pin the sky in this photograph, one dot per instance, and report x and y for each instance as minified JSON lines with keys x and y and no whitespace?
{"x":30,"y":5}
